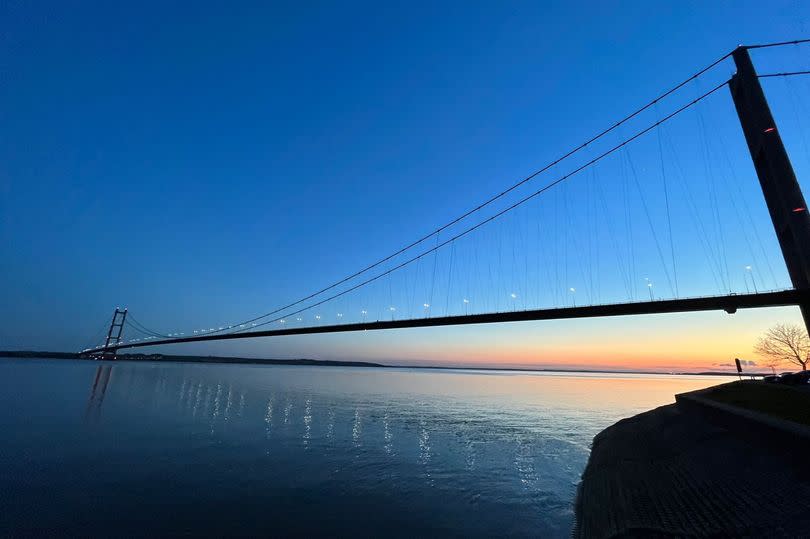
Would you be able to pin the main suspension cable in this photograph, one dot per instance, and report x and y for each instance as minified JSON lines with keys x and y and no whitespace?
{"x":492,"y":199}
{"x":776,"y":44}
{"x":143,"y":329}
{"x":502,"y":212}
{"x":524,"y":180}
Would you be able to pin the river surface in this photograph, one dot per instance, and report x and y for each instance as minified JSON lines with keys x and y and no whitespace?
{"x":164,"y":449}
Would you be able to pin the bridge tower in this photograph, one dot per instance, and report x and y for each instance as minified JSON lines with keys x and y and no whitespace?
{"x":114,"y":334}
{"x":783,"y":195}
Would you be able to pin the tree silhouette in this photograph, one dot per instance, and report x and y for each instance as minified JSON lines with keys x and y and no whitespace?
{"x":785,"y":343}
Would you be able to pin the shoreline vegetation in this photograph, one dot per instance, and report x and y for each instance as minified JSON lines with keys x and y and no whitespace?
{"x":39,"y":354}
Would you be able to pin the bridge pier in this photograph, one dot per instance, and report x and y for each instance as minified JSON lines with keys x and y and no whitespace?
{"x":782,"y":192}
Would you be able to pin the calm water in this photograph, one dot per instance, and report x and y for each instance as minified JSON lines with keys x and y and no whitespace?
{"x":163,"y":449}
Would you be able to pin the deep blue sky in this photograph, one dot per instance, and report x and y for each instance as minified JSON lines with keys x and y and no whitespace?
{"x":201,"y":163}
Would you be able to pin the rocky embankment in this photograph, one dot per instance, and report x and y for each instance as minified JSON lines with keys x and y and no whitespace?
{"x":677,"y":472}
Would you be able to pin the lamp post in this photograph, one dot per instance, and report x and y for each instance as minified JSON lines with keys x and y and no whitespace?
{"x":749,"y":271}
{"x":649,"y":287}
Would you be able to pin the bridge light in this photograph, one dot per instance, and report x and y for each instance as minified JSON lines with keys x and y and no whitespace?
{"x":513,"y":295}
{"x":426,"y":305}
{"x":299,"y":318}
{"x":317,"y":317}
{"x":392,"y":309}
{"x":281,"y":321}
{"x":572,"y":289}
{"x":340,"y":315}
{"x":364,"y":311}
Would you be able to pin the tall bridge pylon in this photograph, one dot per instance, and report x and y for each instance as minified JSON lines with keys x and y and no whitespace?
{"x":782,"y":192}
{"x":114,"y":335}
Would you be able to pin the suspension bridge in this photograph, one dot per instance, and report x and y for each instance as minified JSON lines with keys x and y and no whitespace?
{"x":520,"y":262}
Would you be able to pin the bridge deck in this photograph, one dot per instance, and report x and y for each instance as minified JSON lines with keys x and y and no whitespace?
{"x":729,"y":303}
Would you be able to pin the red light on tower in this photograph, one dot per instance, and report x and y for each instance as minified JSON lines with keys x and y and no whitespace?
{"x":798,"y":210}
{"x":770,"y":130}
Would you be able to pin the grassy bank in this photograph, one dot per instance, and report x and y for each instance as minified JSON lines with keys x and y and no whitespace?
{"x":783,"y":402}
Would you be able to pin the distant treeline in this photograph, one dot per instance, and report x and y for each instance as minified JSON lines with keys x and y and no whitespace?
{"x":34,"y":354}
{"x":37,"y":354}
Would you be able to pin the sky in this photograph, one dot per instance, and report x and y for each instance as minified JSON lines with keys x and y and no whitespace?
{"x":201,"y":166}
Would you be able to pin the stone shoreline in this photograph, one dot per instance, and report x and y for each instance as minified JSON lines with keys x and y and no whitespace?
{"x":677,"y":472}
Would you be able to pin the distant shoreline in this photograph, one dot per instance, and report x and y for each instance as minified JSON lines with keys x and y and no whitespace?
{"x":32,"y":354}
{"x":228,"y":360}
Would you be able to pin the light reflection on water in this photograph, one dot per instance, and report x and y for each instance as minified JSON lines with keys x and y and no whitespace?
{"x":231,"y":449}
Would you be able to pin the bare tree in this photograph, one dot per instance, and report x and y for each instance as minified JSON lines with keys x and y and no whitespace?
{"x":785,"y":343}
